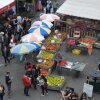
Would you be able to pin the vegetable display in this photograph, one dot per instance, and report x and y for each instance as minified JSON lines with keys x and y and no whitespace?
{"x":55,"y":81}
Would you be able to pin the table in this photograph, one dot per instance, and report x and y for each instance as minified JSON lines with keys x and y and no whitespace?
{"x":76,"y":66}
{"x":95,"y":73}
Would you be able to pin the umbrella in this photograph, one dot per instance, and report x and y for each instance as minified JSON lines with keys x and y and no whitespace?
{"x":43,"y":22}
{"x":40,"y":30}
{"x":32,"y":38}
{"x":49,"y":17}
{"x":24,"y":48}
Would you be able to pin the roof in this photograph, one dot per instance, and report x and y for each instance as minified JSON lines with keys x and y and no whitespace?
{"x":5,"y":5}
{"x":81,"y":8}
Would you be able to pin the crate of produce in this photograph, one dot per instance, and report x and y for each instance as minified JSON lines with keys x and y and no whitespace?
{"x":45,"y":64}
{"x":52,"y":47}
{"x":55,"y":82}
{"x":46,"y":55}
{"x":76,"y":51}
{"x":44,"y":72}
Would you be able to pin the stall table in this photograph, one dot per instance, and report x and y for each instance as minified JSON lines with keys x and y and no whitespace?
{"x":74,"y":66}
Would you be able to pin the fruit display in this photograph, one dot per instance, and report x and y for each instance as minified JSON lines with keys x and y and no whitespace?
{"x":44,"y":72}
{"x":88,"y":40}
{"x":47,"y":55}
{"x":50,"y":38}
{"x":55,"y":81}
{"x":51,"y":47}
{"x":46,"y":64}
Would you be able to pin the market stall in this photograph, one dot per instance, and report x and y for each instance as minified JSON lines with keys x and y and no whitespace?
{"x":77,"y":22}
{"x":82,"y":45}
{"x":46,"y":56}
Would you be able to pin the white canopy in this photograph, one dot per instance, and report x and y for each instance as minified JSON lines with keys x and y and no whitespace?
{"x":81,"y":8}
{"x":6,"y":4}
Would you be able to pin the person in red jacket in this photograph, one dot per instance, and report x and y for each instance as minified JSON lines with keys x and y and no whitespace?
{"x":27,"y":83}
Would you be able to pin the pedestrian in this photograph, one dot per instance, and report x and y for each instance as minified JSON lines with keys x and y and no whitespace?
{"x":48,"y":6}
{"x":55,"y":5}
{"x":19,"y":31}
{"x":19,"y":19}
{"x":6,"y":39}
{"x":5,"y":54}
{"x":2,"y":89}
{"x":27,"y":84}
{"x":36,"y":71}
{"x":44,"y":3}
{"x":8,"y":80}
{"x":34,"y":80}
{"x":43,"y":84}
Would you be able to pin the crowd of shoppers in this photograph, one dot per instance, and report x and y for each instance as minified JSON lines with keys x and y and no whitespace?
{"x":14,"y":26}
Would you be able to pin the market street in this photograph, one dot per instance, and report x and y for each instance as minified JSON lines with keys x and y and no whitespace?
{"x":17,"y":70}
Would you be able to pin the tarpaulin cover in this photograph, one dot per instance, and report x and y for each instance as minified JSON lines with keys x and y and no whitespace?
{"x":81,"y":8}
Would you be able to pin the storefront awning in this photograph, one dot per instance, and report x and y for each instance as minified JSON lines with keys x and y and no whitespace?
{"x":81,"y":8}
{"x":5,"y":5}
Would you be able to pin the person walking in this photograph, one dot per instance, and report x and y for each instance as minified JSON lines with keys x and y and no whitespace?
{"x":27,"y":84}
{"x":2,"y":89}
{"x":43,"y":84}
{"x":5,"y":54}
{"x":8,"y":80}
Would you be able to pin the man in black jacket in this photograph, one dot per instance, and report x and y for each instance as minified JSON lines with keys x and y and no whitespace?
{"x":8,"y":82}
